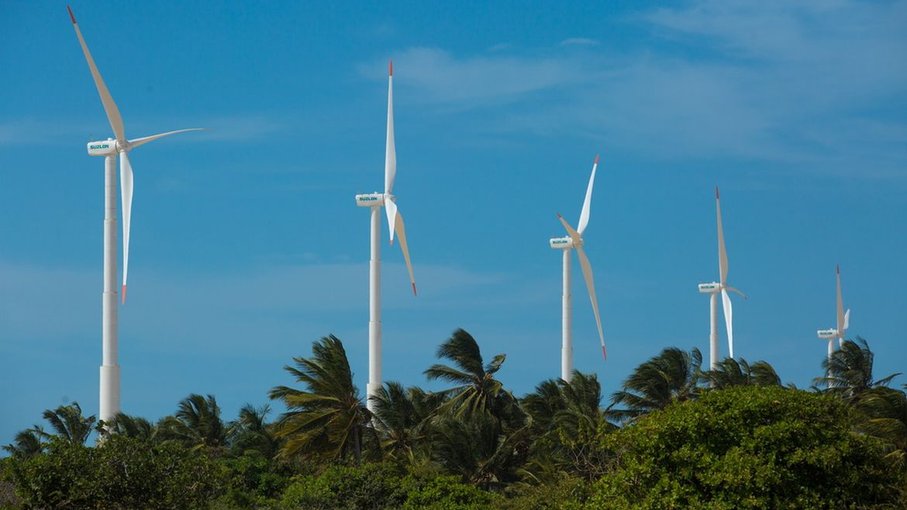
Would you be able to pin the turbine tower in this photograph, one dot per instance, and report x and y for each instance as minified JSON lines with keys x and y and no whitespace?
{"x":375,"y":201}
{"x":110,"y":149}
{"x":720,"y":287}
{"x":574,"y":241}
{"x":842,"y":322}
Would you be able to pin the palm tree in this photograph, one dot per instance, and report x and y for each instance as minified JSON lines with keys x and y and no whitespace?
{"x":849,"y":371}
{"x":252,"y":432}
{"x":328,"y":418}
{"x":196,"y":423}
{"x":401,"y":416}
{"x":477,"y":450}
{"x":477,"y":391}
{"x":885,"y":411}
{"x":672,"y":376}
{"x":131,"y":426}
{"x":731,"y":372}
{"x":69,"y":424}
{"x":27,"y":443}
{"x":568,"y":422}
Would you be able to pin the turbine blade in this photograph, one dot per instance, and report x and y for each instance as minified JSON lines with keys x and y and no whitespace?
{"x":390,"y":153}
{"x":145,"y":139}
{"x":722,"y":251}
{"x":840,"y":302}
{"x":738,"y":291}
{"x":847,"y":319}
{"x":113,"y":113}
{"x":126,"y":190}
{"x":587,"y":203}
{"x":590,"y":286}
{"x":401,"y":234}
{"x":390,"y":208}
{"x":728,"y":320}
{"x":577,"y":239}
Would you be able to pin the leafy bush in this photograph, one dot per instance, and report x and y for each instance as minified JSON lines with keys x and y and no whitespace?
{"x":748,"y":447}
{"x":444,"y":493}
{"x":123,"y":473}
{"x":370,"y":486}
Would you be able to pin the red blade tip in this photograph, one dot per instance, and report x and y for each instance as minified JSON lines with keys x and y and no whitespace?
{"x":124,"y":294}
{"x":414,"y":289}
{"x":596,"y":160}
{"x":604,"y":353}
{"x":71,"y":15}
{"x":716,"y":193}
{"x":837,"y":269}
{"x":390,"y":67}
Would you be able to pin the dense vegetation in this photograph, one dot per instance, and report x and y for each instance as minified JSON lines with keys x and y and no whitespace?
{"x":675,"y":436}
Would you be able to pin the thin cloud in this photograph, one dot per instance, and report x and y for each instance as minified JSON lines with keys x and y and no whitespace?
{"x":775,"y":82}
{"x":440,"y":77}
{"x":579,"y":41}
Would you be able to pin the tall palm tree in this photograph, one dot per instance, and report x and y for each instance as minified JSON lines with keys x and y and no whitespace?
{"x":68,"y":423}
{"x":477,"y":449}
{"x":568,"y":421}
{"x":401,"y":416}
{"x":476,"y":391}
{"x":849,"y":371}
{"x":196,"y":423}
{"x":131,"y":426}
{"x":731,"y":372}
{"x":327,"y":418}
{"x":27,"y":443}
{"x":885,"y":411}
{"x":251,"y":431}
{"x":672,"y":376}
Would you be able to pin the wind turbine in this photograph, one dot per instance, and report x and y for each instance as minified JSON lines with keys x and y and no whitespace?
{"x":720,"y":287}
{"x":375,"y":201}
{"x":574,"y":241}
{"x":842,"y":323}
{"x":110,"y":149}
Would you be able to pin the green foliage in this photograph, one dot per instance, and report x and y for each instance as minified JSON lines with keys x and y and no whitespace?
{"x":69,"y":424}
{"x":252,"y":481}
{"x":568,"y":424}
{"x":445,"y":493}
{"x":327,"y":419}
{"x":748,"y":447}
{"x":8,"y":498}
{"x":562,"y":493}
{"x":476,"y":391}
{"x":380,"y":486}
{"x":849,"y":370}
{"x":369,"y":486}
{"x":123,"y":473}
{"x":732,"y":372}
{"x":672,"y":376}
{"x":196,"y":424}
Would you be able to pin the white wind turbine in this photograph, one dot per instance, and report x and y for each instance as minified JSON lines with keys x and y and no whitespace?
{"x":110,"y":149}
{"x":713,"y":289}
{"x":374,"y":201}
{"x":574,"y":240}
{"x":843,"y":319}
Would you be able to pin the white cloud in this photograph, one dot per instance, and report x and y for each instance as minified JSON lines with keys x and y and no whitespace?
{"x":579,"y":41}
{"x":780,"y":82}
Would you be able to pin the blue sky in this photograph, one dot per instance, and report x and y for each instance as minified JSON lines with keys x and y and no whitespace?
{"x":247,"y":244}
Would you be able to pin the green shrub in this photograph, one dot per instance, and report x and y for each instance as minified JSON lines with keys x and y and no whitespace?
{"x":748,"y":447}
{"x":123,"y":473}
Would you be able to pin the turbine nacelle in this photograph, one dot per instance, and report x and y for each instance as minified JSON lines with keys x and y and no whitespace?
{"x":103,"y":148}
{"x":372,"y":199}
{"x":709,"y":288}
{"x":562,"y":243}
{"x":827,"y":334}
